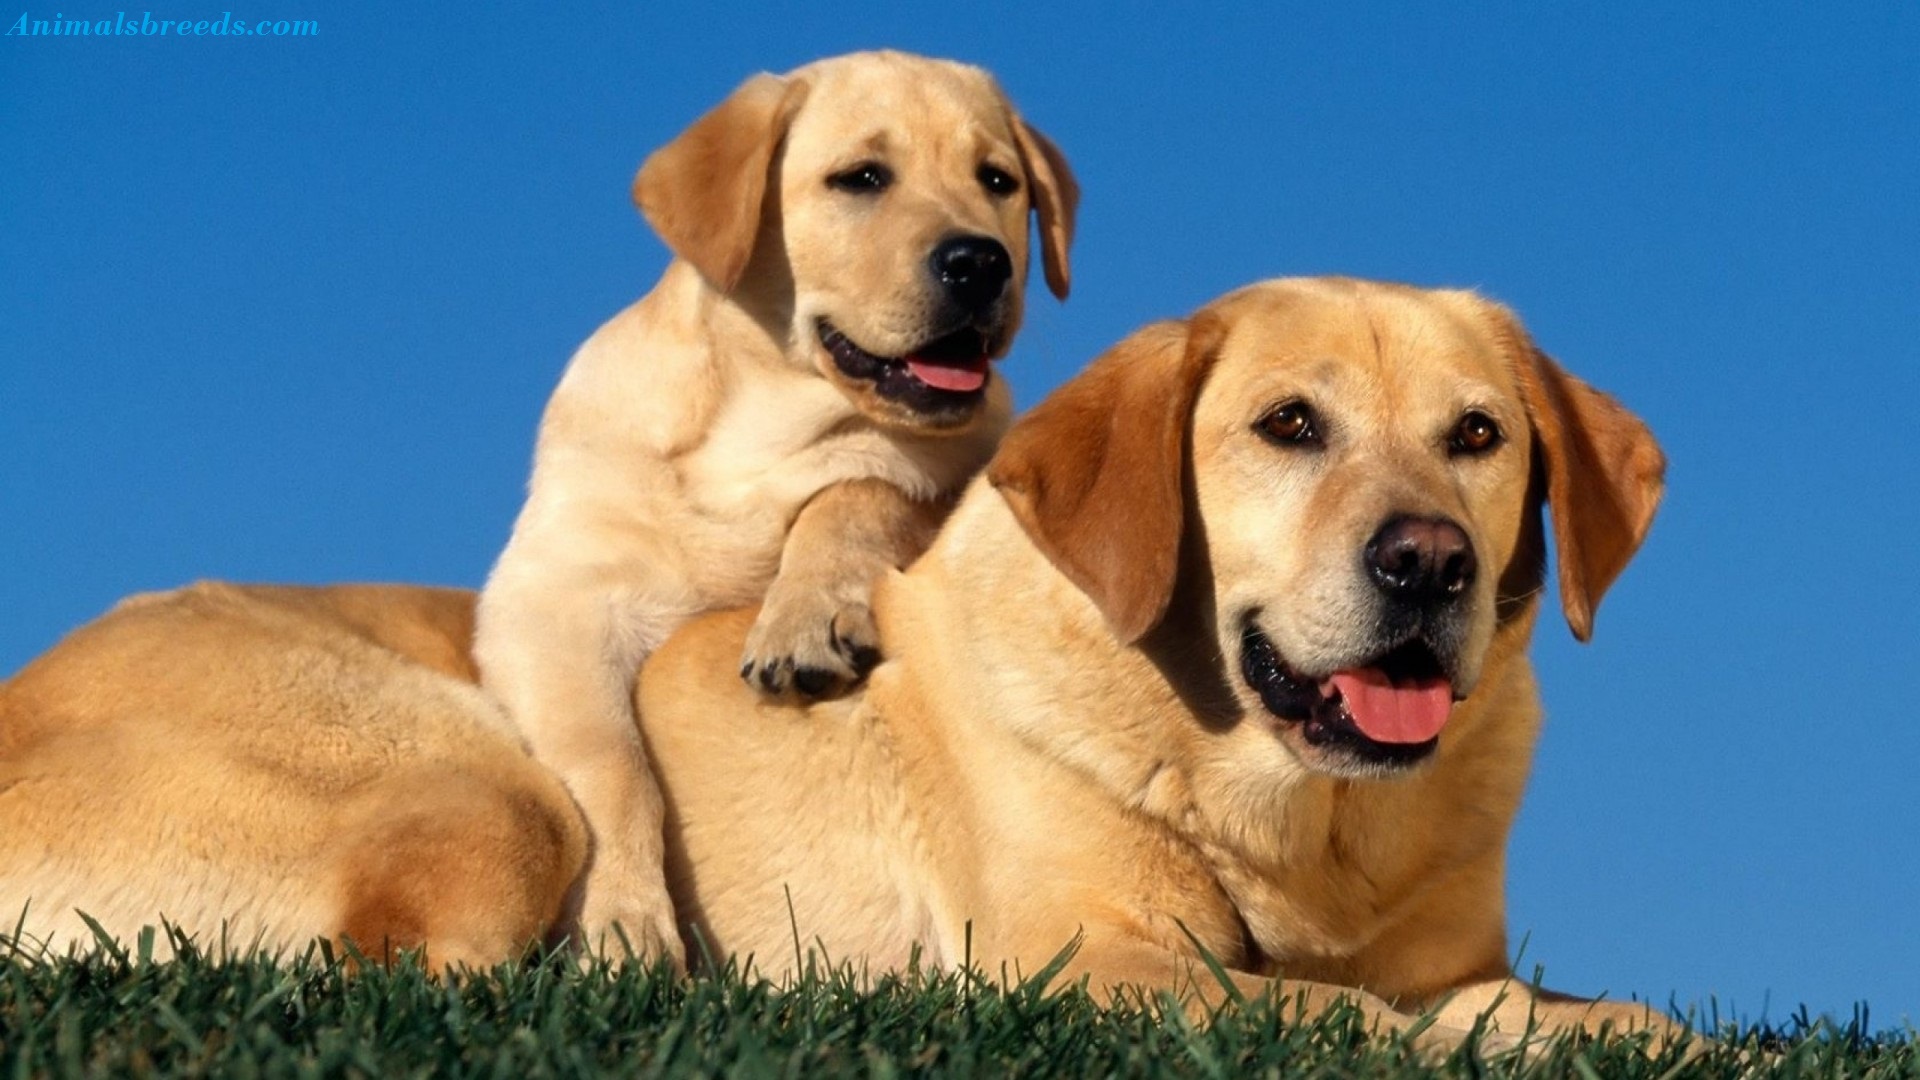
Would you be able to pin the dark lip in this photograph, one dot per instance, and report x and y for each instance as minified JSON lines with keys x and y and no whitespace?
{"x":891,"y":378}
{"x":1323,"y":720}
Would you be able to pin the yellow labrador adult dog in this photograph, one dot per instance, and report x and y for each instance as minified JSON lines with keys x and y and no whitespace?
{"x":785,"y":416}
{"x":1227,"y":649}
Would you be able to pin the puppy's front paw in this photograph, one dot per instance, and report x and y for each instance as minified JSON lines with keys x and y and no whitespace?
{"x":630,"y":921}
{"x":809,"y":644}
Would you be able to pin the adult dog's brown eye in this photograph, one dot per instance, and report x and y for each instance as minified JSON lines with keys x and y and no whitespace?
{"x":1476,"y":433}
{"x":997,"y":181}
{"x":866,"y":178}
{"x":1292,"y":423}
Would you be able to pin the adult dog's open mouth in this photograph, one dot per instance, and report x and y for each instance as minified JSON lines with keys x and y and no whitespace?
{"x":948,"y":373}
{"x":1384,"y":715}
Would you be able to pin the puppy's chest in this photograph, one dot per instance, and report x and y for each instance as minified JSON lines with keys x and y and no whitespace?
{"x":773,"y":446}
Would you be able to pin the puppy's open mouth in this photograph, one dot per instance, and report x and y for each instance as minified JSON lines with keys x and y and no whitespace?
{"x":1384,"y":714}
{"x":949,"y":371}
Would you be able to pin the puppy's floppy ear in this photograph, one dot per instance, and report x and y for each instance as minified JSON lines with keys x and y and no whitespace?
{"x":1604,"y":471}
{"x":703,"y":191}
{"x":1095,"y":473}
{"x":1055,"y":196}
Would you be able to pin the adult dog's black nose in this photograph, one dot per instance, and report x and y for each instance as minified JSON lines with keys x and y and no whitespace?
{"x":973,"y":269}
{"x":1421,"y":560}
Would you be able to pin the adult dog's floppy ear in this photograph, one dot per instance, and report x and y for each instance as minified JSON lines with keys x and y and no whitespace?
{"x":1055,"y":196}
{"x":1604,"y":472}
{"x":1095,"y":473}
{"x":703,"y":191}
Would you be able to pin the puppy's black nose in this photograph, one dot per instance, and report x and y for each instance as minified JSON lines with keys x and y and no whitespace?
{"x":1421,"y":560}
{"x":973,"y":269}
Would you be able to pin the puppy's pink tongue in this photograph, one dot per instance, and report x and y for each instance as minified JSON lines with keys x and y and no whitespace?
{"x":1411,"y":712}
{"x":960,"y":375}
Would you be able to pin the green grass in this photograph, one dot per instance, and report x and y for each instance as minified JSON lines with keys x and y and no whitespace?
{"x":112,"y":1012}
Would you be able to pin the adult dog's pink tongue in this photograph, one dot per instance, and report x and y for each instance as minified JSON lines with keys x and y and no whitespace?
{"x":959,"y":375}
{"x":1410,"y":712}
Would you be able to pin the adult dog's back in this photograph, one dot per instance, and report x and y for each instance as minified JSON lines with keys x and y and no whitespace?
{"x":262,"y":765}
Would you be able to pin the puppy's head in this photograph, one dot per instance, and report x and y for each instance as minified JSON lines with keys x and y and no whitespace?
{"x":1347,"y":478}
{"x":871,"y":211}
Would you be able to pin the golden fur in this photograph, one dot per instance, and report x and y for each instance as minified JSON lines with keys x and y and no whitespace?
{"x":1061,"y":743}
{"x":266,"y":765}
{"x":703,"y":451}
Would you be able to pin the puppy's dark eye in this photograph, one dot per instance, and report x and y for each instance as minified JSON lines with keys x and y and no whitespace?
{"x":1476,"y":433}
{"x":866,"y":178}
{"x":997,"y":181}
{"x":1291,"y":423}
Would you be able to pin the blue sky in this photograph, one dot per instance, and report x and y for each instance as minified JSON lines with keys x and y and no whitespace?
{"x":287,"y":310}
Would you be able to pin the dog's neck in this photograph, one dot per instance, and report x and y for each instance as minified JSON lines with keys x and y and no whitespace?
{"x":755,"y":320}
{"x":983,"y":609}
{"x":1315,"y":865}
{"x":651,"y":376}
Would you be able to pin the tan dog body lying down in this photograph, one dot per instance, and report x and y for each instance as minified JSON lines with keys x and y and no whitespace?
{"x":261,"y":765}
{"x":783,"y":418}
{"x":1126,"y":687}
{"x":1183,"y":662}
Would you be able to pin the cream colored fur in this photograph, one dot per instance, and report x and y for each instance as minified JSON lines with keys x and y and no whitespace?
{"x":703,"y":452}
{"x":261,"y":766}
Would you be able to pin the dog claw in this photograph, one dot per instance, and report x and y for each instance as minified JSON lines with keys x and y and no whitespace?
{"x":810,"y":653}
{"x":861,"y":658}
{"x":813,"y":682}
{"x":855,"y":645}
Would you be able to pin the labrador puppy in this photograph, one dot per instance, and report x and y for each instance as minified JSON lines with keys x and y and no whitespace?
{"x":785,"y":416}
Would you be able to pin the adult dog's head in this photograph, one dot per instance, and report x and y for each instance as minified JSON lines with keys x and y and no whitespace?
{"x":1342,"y":482}
{"x":871,"y":212}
